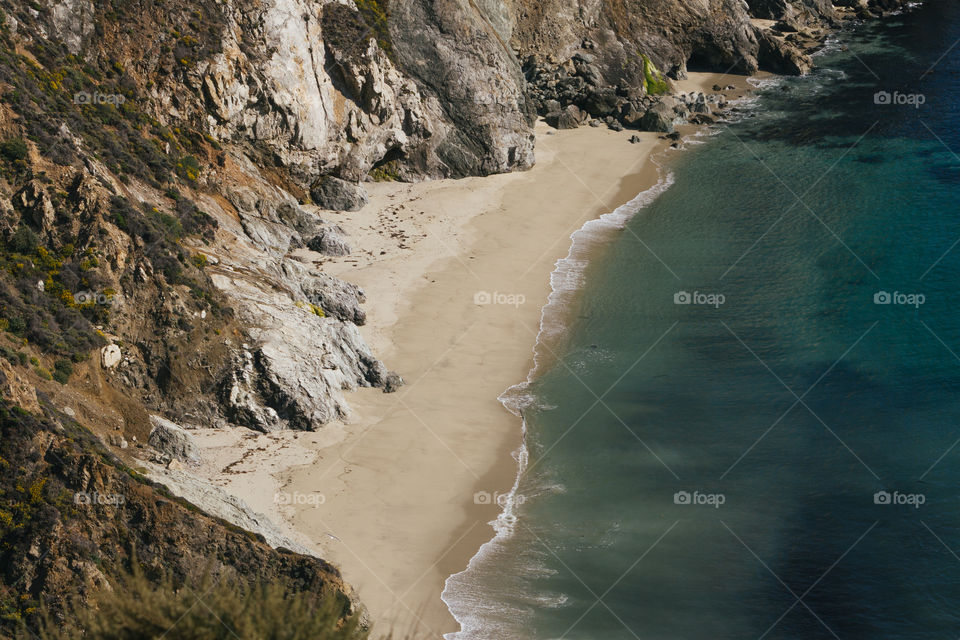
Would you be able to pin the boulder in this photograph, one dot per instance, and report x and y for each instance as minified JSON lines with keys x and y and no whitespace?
{"x":659,"y":117}
{"x":569,"y":118}
{"x":779,"y":56}
{"x":338,"y":195}
{"x":392,"y":382}
{"x":601,"y":102}
{"x":631,"y":115}
{"x":173,"y":440}
{"x":110,"y":356}
{"x":329,"y":242}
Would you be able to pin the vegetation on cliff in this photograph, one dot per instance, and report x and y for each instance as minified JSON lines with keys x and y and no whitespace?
{"x":75,"y":522}
{"x":137,"y":608}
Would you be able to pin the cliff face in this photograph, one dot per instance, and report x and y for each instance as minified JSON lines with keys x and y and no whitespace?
{"x":72,"y":518}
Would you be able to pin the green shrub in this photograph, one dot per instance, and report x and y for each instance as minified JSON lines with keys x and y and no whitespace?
{"x":13,"y":150}
{"x":138,"y":608}
{"x":188,"y":167}
{"x":62,"y":369}
{"x":24,"y":241}
{"x":376,"y":13}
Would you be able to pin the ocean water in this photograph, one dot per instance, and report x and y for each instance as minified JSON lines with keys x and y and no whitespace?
{"x":780,"y":458}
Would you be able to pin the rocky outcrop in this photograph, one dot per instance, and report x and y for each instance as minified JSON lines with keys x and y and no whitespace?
{"x":330,"y":242}
{"x":220,"y":504}
{"x":302,"y":349}
{"x":659,"y":117}
{"x":82,"y":518}
{"x":173,"y":441}
{"x":338,"y":195}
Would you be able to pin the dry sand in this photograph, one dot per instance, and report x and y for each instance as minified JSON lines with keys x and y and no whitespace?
{"x":398,"y":514}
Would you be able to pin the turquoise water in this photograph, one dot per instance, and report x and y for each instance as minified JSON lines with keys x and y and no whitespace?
{"x":723,"y":470}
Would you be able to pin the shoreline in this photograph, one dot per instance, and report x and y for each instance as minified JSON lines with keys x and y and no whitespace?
{"x":457,"y":274}
{"x":467,"y":354}
{"x":594,"y":193}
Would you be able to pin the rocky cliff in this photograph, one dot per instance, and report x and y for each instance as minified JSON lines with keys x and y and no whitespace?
{"x":73,"y":516}
{"x":167,"y":171}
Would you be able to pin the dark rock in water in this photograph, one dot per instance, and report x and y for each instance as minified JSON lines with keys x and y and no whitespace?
{"x":659,"y":117}
{"x":779,"y":56}
{"x":675,"y":135}
{"x":338,"y":195}
{"x":702,"y":118}
{"x":392,"y":382}
{"x":700,"y":105}
{"x":330,"y":243}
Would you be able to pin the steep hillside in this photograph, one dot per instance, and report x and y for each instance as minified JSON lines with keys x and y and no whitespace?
{"x":73,"y":517}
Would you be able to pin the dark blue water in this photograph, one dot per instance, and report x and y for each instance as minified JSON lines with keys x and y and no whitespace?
{"x":791,"y":410}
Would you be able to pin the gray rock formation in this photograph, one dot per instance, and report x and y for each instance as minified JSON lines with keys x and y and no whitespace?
{"x":338,"y":195}
{"x":172,"y":440}
{"x":659,"y":117}
{"x":217,"y":502}
{"x":329,"y":242}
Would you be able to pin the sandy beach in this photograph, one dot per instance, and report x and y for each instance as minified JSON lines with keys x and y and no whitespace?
{"x":456,"y":274}
{"x":457,"y":315}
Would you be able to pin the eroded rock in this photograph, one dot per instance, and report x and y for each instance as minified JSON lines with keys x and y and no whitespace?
{"x":338,"y":195}
{"x":172,"y":440}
